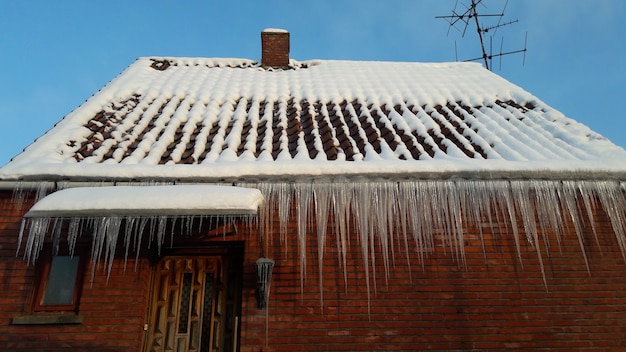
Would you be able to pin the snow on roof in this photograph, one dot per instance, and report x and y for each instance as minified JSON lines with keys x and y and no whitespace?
{"x":197,"y":118}
{"x":275,"y":30}
{"x":148,"y":201}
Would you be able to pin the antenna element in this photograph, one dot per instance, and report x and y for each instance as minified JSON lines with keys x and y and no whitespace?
{"x":460,"y":20}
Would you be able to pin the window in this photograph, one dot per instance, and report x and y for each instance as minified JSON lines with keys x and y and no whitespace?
{"x":59,"y":281}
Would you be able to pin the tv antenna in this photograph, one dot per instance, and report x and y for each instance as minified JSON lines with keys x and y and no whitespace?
{"x":461,"y":20}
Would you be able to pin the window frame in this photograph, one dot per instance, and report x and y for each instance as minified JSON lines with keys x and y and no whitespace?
{"x":43,"y":267}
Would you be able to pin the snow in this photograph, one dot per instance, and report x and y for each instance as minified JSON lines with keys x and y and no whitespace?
{"x":275,"y":30}
{"x":200,"y":93}
{"x":424,"y":169}
{"x":148,"y":201}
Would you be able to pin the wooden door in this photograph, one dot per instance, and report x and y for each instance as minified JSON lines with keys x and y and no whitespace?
{"x":191,"y":310}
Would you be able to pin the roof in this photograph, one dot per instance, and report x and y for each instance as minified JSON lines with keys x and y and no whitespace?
{"x":198,"y":118}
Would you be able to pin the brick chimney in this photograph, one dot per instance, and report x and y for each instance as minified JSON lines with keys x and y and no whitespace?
{"x":275,"y":48}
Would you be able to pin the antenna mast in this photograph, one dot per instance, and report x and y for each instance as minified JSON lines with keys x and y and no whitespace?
{"x":471,"y":16}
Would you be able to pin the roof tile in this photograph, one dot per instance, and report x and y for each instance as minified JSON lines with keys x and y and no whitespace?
{"x":206,"y":111}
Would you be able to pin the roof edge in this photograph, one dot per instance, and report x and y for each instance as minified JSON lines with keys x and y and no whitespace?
{"x":54,"y":181}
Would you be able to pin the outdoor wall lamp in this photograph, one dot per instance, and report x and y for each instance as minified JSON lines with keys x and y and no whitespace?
{"x":263,"y":268}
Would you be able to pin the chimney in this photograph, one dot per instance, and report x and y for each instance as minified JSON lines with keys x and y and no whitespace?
{"x":275,"y":48}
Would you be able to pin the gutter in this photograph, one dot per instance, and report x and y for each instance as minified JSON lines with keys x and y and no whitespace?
{"x":57,"y":182}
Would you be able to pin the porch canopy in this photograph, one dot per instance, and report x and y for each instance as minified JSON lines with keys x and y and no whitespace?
{"x":171,"y":200}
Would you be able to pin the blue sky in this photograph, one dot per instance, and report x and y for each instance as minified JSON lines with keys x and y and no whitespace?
{"x":56,"y":54}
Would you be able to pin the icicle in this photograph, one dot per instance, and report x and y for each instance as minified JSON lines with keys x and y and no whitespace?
{"x":568,"y":202}
{"x":36,"y":237}
{"x":283,"y":197}
{"x":72,"y":234}
{"x":20,"y":236}
{"x":188,"y":225}
{"x":97,"y":244}
{"x":454,"y":225}
{"x":392,"y":225}
{"x":520,"y":191}
{"x":303,"y":193}
{"x":201,"y":222}
{"x":548,"y":213}
{"x":473,"y":203}
{"x":429,"y":202}
{"x":173,"y":219}
{"x":322,"y":207}
{"x":361,"y":212}
{"x":161,"y":226}
{"x":505,"y":199}
{"x":19,"y":196}
{"x":402,"y":216}
{"x":613,"y":200}
{"x":153,"y":231}
{"x":341,"y":205}
{"x":423,"y":225}
{"x":143,"y":222}
{"x":266,"y":212}
{"x":56,"y":236}
{"x":586,"y":193}
{"x":128,"y":237}
{"x":112,"y":231}
{"x":369,"y":234}
{"x":42,"y":191}
{"x":380,"y":213}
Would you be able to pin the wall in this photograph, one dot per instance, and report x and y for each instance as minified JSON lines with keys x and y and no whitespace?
{"x":113,"y":312}
{"x":494,"y":301}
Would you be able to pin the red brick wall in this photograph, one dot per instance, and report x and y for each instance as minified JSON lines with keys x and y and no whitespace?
{"x":113,"y":312}
{"x":491,"y":303}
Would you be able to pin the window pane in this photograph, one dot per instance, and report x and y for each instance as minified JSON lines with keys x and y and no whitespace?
{"x":183,"y":321}
{"x":61,"y":281}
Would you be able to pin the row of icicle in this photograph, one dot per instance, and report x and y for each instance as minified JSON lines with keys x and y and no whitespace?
{"x":385,"y":217}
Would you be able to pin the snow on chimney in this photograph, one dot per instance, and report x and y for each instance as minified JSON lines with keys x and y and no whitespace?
{"x":275,"y":48}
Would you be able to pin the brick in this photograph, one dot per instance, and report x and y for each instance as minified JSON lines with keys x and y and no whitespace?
{"x":493,"y":302}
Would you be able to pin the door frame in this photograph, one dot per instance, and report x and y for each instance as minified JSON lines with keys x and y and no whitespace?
{"x":230,"y":251}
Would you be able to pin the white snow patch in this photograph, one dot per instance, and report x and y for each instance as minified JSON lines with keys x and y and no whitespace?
{"x":148,"y":201}
{"x":538,"y":141}
{"x":275,"y":30}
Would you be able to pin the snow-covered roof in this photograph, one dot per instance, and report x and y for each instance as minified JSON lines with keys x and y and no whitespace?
{"x":148,"y":201}
{"x":205,"y":119}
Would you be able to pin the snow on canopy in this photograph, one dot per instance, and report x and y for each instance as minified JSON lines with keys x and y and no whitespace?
{"x":148,"y":201}
{"x":197,"y":118}
{"x":128,"y":210}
